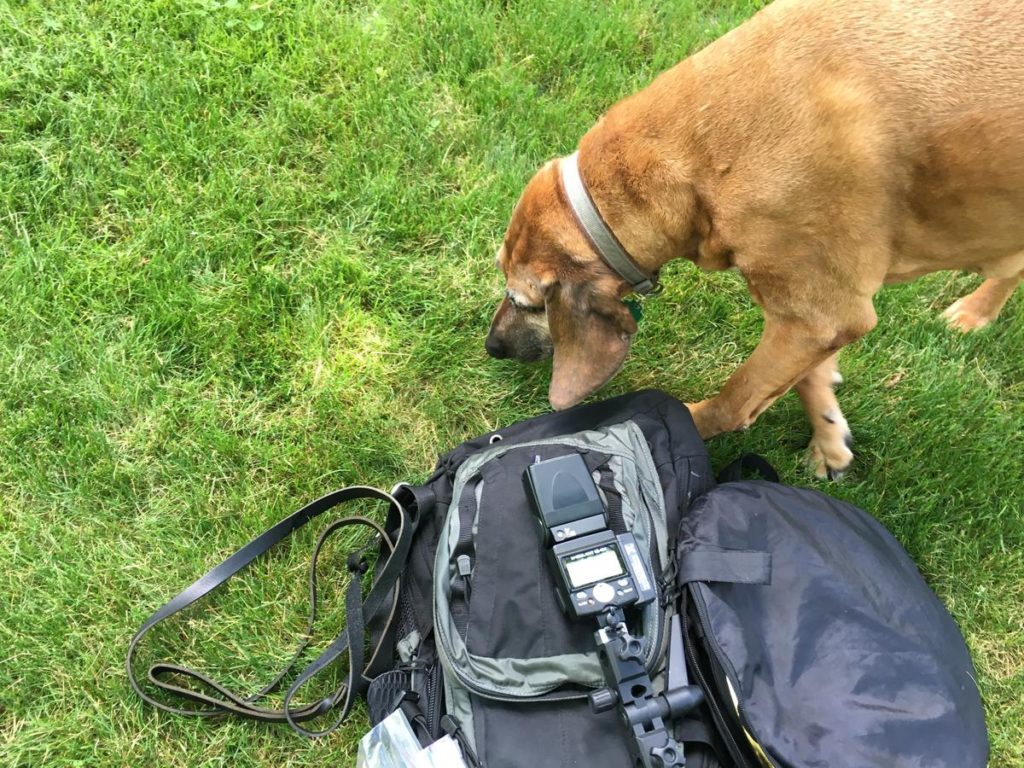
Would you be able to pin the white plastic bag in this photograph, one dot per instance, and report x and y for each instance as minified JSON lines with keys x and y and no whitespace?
{"x":390,"y":744}
{"x":443,"y":753}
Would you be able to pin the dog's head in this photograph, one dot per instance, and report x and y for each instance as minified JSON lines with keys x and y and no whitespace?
{"x":561,"y":299}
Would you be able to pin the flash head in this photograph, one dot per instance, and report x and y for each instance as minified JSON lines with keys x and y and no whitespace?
{"x":565,"y":498}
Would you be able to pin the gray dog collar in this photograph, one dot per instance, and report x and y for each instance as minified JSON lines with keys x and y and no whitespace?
{"x":599,"y":234}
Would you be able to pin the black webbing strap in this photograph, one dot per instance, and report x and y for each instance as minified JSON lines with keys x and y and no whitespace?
{"x":749,"y":462}
{"x":692,"y":730}
{"x":463,"y":554}
{"x":616,"y":521}
{"x":416,"y":499}
{"x":727,"y":566}
{"x":382,"y":596}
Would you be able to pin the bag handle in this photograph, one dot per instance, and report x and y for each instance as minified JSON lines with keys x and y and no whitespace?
{"x":358,"y":613}
{"x":734,"y":471}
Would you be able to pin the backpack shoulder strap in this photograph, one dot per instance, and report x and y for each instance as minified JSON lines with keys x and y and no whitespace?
{"x":382,"y":596}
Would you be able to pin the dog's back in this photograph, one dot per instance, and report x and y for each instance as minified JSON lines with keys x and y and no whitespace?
{"x":919,"y":104}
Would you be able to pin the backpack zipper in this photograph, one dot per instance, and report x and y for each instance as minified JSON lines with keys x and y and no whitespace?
{"x":487,"y":693}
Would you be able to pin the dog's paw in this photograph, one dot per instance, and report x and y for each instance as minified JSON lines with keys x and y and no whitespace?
{"x":962,"y":315}
{"x":829,"y":454}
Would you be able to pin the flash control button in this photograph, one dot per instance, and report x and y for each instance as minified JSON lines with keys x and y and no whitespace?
{"x":604,"y":592}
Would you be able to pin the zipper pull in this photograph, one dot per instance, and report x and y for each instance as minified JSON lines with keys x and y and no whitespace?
{"x":464,"y":566}
{"x":667,"y":584}
{"x":414,"y":667}
{"x":453,"y":728}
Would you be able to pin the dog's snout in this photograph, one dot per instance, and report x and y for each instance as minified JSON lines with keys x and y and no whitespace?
{"x":495,"y":347}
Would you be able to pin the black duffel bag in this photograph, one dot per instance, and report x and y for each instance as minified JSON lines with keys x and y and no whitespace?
{"x":817,"y":641}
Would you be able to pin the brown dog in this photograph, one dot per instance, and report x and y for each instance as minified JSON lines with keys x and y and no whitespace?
{"x":822,"y":149}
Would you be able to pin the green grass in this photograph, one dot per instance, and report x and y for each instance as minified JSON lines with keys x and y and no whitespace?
{"x":246,"y":256}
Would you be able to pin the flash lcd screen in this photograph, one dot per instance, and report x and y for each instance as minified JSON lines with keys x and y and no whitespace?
{"x":593,"y":566}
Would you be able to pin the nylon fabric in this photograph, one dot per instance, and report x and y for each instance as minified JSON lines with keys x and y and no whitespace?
{"x":848,"y":658}
{"x":725,"y":566}
{"x":549,"y":735}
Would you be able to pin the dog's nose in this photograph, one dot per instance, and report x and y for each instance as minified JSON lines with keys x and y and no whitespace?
{"x":495,"y":348}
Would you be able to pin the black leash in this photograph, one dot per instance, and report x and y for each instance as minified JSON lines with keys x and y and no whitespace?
{"x":381,"y":602}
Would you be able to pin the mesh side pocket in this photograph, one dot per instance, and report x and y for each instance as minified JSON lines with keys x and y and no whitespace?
{"x":384,"y":692}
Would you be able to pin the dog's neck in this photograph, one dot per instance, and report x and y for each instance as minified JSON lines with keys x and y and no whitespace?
{"x":644,"y":184}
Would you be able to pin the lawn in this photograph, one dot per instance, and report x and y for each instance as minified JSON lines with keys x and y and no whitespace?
{"x":246,"y":257}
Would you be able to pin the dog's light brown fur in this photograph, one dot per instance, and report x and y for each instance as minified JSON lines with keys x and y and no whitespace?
{"x":822,"y":149}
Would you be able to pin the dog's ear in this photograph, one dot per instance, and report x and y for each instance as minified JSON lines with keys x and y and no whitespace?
{"x":591,"y":334}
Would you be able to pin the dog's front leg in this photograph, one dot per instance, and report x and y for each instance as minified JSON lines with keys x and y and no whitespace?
{"x":789,"y":350}
{"x":829,"y":452}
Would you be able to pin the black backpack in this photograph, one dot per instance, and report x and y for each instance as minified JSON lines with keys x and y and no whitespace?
{"x":810,"y":632}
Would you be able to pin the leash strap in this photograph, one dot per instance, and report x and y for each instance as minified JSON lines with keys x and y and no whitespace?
{"x":597,"y":231}
{"x":380,"y":602}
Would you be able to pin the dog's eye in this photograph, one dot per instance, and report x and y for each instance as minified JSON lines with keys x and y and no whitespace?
{"x":519,"y":305}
